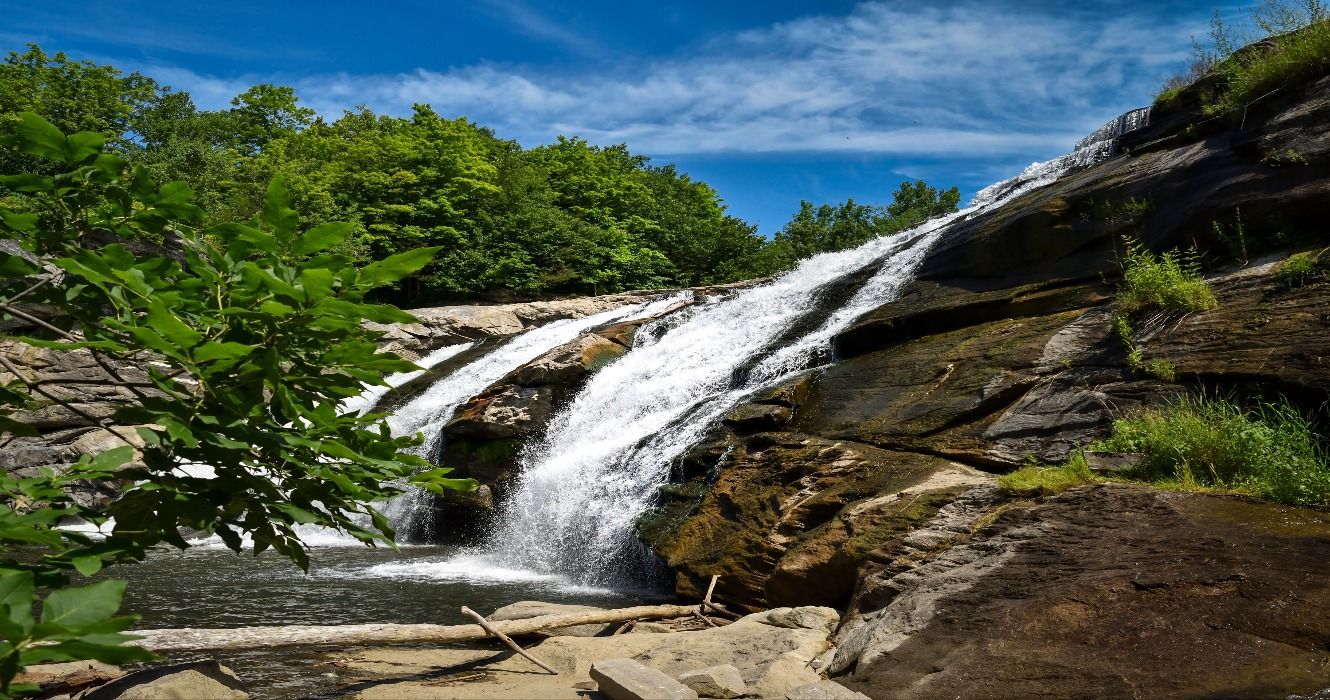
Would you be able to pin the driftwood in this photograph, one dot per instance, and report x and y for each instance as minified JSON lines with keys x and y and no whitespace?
{"x":489,"y":627}
{"x":188,"y":638}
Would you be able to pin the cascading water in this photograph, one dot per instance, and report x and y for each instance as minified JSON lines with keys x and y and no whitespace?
{"x":599,"y":466}
{"x":428,"y":412}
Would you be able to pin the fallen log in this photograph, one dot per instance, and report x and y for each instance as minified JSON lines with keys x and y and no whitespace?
{"x":196,"y":638}
{"x":489,"y":627}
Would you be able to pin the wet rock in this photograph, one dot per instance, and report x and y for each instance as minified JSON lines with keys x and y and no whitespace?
{"x":782,"y":523}
{"x":824,"y":690}
{"x":203,"y":680}
{"x":626,"y":679}
{"x":755,"y":417}
{"x":723,"y":681}
{"x":568,"y":363}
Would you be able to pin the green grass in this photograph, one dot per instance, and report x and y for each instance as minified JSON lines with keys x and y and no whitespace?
{"x":1039,"y":480}
{"x":1171,"y":281}
{"x":1302,"y":268}
{"x":1272,"y":452}
{"x":1291,"y":59}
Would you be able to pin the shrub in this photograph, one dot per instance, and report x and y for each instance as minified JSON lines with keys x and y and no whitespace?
{"x":1289,"y":58}
{"x":1036,"y":479}
{"x":1271,"y":452}
{"x":1300,"y":269}
{"x":1171,"y":281}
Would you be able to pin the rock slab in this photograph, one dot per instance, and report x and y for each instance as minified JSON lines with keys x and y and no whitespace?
{"x":722,"y":681}
{"x":203,"y":680}
{"x":824,"y":690}
{"x":625,"y":679}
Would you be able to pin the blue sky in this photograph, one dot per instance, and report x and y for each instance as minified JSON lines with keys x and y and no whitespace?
{"x":770,"y":102}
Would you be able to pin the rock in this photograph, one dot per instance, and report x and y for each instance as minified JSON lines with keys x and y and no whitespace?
{"x":792,"y":517}
{"x":651,"y":628}
{"x":68,"y":676}
{"x":824,"y":690}
{"x":821,"y":619}
{"x":771,"y":660}
{"x":568,"y":363}
{"x":1138,"y":575}
{"x":525,"y":609}
{"x":203,"y":680}
{"x":625,"y":679}
{"x":1112,"y":461}
{"x":755,"y":417}
{"x":715,"y":682}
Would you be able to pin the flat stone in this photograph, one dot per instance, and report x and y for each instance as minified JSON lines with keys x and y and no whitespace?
{"x":723,"y":681}
{"x":824,"y":690}
{"x":625,"y":679}
{"x":809,"y":617}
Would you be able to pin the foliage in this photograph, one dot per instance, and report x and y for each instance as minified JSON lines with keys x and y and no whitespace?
{"x":248,"y":335}
{"x":1271,"y":452}
{"x":1294,"y":46}
{"x":1171,"y":281}
{"x":1035,"y":479}
{"x":1301,"y":268}
{"x":568,"y":217}
{"x":828,"y":228}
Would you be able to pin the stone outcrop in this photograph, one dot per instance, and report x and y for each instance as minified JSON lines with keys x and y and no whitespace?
{"x":1105,"y":591}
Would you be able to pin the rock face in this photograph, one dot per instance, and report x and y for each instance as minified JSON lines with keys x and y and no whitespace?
{"x":1106,"y":591}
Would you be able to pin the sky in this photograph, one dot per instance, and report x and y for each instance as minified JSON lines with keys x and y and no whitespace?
{"x":769,"y":102}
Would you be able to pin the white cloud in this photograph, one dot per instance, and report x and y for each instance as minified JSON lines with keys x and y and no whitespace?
{"x":966,"y":80}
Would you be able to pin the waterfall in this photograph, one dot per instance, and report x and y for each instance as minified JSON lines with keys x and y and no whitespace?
{"x":412,"y":511}
{"x":598,"y":468}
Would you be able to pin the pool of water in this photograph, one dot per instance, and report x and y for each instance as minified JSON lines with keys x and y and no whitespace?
{"x":210,"y":586}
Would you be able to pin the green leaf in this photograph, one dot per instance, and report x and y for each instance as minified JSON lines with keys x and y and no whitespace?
{"x":276,"y":308}
{"x":317,"y":282}
{"x":112,"y":458}
{"x":81,"y":606}
{"x":16,"y":595}
{"x":39,"y":137}
{"x":322,"y":237}
{"x":88,"y":566}
{"x":214,"y":350}
{"x":82,"y":146}
{"x":278,"y":214}
{"x":395,"y":267}
{"x":26,"y":183}
{"x":164,"y":322}
{"x":25,"y":222}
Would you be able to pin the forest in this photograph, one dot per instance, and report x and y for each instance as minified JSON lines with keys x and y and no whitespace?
{"x":564,"y":218}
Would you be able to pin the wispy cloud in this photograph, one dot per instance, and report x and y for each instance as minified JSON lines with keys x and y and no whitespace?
{"x":978,"y":81}
{"x":537,"y":25}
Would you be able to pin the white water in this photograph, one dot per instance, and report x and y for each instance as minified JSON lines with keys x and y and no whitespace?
{"x":428,"y":412}
{"x":371,"y":396}
{"x":599,"y":467}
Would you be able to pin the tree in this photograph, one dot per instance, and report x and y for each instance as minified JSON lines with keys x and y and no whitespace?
{"x":266,"y":112}
{"x":247,"y":337}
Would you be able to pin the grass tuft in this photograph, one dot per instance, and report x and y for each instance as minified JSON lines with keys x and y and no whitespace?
{"x":1272,"y":452}
{"x":1171,"y":281}
{"x":1038,"y":480}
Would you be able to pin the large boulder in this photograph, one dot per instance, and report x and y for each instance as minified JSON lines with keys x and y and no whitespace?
{"x":202,"y":680}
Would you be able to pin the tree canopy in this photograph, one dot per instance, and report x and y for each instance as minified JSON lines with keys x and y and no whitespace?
{"x":569,"y":217}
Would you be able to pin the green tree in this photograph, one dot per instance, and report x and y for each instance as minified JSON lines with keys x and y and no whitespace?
{"x":249,"y":334}
{"x":266,"y":112}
